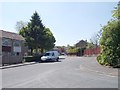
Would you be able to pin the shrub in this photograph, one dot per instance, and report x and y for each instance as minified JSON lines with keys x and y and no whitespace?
{"x":110,"y":44}
{"x":32,"y":58}
{"x":99,"y":59}
{"x":110,"y":41}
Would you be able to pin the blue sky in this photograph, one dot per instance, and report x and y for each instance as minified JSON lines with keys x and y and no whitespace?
{"x":68,"y":21}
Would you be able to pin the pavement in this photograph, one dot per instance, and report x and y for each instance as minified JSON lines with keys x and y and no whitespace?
{"x":23,"y":64}
{"x":17,"y":65}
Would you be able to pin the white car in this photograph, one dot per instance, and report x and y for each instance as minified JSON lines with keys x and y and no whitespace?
{"x":50,"y":56}
{"x":62,"y":56}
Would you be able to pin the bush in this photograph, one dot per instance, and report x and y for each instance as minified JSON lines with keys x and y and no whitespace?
{"x":99,"y":59}
{"x":32,"y":58}
{"x":110,"y":41}
{"x":110,"y":44}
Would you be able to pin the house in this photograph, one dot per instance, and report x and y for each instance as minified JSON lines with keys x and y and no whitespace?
{"x":81,"y":44}
{"x":12,"y":47}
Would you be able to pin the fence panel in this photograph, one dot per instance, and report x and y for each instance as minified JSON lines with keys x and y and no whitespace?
{"x":92,"y":51}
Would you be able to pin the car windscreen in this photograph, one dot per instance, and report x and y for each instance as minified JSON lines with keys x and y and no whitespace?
{"x":47,"y":54}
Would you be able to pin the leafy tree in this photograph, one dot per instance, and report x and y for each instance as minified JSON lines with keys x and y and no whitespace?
{"x":36,"y":35}
{"x":94,"y":41}
{"x":28,"y":40}
{"x":49,"y":40}
{"x":34,"y":32}
{"x":116,"y":12}
{"x":20,"y":25}
{"x":110,"y":43}
{"x":72,"y":50}
{"x":90,"y":45}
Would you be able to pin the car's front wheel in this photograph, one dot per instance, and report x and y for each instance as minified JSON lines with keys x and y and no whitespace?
{"x":57,"y":59}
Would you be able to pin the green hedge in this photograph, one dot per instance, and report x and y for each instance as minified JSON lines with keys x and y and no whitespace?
{"x":32,"y":58}
{"x":110,"y":45}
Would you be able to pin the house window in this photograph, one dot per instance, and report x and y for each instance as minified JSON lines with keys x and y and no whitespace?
{"x":6,"y":42}
{"x":6,"y":49}
{"x":17,"y":49}
{"x":16,"y":43}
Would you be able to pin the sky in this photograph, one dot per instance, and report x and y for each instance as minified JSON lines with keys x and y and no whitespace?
{"x":69,"y":22}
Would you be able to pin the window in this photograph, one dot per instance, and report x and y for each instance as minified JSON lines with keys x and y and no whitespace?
{"x":52,"y":54}
{"x":16,"y":43}
{"x":47,"y":54}
{"x":6,"y":42}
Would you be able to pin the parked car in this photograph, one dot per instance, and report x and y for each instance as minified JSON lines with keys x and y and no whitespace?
{"x":63,"y":56}
{"x":50,"y":56}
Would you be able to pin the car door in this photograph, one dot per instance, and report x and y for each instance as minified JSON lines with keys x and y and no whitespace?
{"x":53,"y":56}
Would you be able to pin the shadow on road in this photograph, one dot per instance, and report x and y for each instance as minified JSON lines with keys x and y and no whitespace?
{"x":49,"y":61}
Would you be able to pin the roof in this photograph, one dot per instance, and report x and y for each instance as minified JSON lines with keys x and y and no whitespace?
{"x":11,"y":35}
{"x":81,"y":44}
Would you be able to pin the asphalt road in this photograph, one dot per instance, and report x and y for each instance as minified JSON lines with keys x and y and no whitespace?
{"x":72,"y":72}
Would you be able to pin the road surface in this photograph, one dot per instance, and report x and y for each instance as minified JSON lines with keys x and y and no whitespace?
{"x":72,"y":72}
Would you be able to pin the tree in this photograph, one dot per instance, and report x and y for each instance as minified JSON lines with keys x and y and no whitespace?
{"x":34,"y":32}
{"x":36,"y":35}
{"x":110,"y":43}
{"x":90,"y":45}
{"x":94,"y":41}
{"x":28,"y":40}
{"x":19,"y":25}
{"x":49,"y":40}
{"x":116,"y":12}
{"x":72,"y":50}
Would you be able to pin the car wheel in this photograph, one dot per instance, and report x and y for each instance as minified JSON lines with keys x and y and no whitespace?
{"x":57,"y":59}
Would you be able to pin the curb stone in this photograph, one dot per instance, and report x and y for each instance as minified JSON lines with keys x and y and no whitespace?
{"x":17,"y":65}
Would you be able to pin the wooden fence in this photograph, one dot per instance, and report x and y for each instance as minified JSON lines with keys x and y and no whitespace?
{"x":92,"y":51}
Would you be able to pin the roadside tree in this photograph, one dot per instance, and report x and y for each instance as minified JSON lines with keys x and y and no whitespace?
{"x":36,"y":35}
{"x":49,"y":40}
{"x":19,"y":25}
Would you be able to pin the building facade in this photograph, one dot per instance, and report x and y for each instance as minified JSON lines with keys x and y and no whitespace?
{"x":13,"y":48}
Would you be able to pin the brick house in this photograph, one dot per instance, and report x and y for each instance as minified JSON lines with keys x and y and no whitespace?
{"x":12,"y":47}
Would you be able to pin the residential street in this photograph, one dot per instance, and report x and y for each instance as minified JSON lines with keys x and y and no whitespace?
{"x":72,"y":72}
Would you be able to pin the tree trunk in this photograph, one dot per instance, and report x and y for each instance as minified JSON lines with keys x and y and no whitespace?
{"x":42,"y":50}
